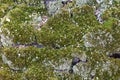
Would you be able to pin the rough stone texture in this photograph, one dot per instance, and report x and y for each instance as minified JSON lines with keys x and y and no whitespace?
{"x":52,"y":6}
{"x":5,"y":40}
{"x":81,"y":2}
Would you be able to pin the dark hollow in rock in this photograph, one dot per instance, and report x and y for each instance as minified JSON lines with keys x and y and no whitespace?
{"x":75,"y":60}
{"x":115,"y":55}
{"x":71,"y":70}
{"x":35,"y":45}
{"x":65,"y":2}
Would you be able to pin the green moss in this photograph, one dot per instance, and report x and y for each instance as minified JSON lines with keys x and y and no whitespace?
{"x":4,"y":9}
{"x":62,"y":36}
{"x":20,"y":23}
{"x":64,"y":30}
{"x":39,"y":72}
{"x":6,"y":74}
